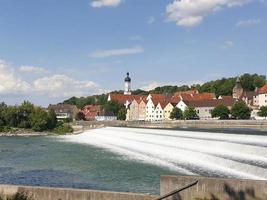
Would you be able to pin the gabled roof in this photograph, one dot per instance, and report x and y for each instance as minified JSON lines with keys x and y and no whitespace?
{"x":62,"y":107}
{"x":121,"y":98}
{"x":204,"y":96}
{"x":263,"y":89}
{"x":211,"y":103}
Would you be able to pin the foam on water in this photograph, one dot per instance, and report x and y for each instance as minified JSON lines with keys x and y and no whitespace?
{"x":187,"y":152}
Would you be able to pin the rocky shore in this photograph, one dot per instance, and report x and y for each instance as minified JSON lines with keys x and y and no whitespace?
{"x":23,"y":132}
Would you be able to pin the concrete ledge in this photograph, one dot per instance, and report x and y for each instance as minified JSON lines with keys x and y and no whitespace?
{"x":214,"y":188}
{"x":45,"y":193}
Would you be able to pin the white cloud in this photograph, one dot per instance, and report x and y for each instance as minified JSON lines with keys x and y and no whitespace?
{"x":9,"y":82}
{"x":192,"y":12}
{"x":151,"y":20}
{"x":228,"y":44}
{"x":53,"y":86}
{"x":248,"y":23}
{"x":101,"y":3}
{"x":116,"y":52}
{"x":62,"y":85}
{"x":31,"y":69}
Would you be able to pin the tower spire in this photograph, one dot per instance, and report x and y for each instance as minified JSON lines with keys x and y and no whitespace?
{"x":127,"y":84}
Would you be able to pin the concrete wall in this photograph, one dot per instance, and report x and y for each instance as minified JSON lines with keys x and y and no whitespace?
{"x":214,"y":188}
{"x":43,"y":193}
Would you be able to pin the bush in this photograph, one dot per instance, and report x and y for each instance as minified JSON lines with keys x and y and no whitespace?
{"x":221,"y":111}
{"x":190,"y":113}
{"x":5,"y":129}
{"x":263,"y":111}
{"x":122,"y":114}
{"x":62,"y":129}
{"x":240,"y":110}
{"x":176,"y":113}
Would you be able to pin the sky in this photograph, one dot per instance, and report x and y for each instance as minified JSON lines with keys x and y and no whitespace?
{"x":51,"y":50}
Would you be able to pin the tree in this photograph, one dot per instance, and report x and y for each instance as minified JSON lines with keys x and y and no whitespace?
{"x":190,"y":113}
{"x":240,"y":110}
{"x":80,"y":116}
{"x":122,"y":114}
{"x":263,"y":111}
{"x":176,"y":113}
{"x":220,"y":111}
{"x":113,"y":106}
{"x":52,"y":120}
{"x":24,"y":111}
{"x":39,"y":120}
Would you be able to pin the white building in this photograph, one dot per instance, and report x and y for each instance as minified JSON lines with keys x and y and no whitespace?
{"x":150,"y":109}
{"x":262,"y":96}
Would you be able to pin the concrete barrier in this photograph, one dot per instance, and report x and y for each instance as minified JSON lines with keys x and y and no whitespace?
{"x":214,"y":188}
{"x":44,"y":193}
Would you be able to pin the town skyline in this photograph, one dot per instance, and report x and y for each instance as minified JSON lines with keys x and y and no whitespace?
{"x":51,"y":51}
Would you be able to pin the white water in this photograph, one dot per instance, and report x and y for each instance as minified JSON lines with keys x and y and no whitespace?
{"x":185,"y":152}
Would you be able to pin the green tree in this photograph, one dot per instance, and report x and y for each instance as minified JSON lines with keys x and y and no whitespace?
{"x":39,"y":120}
{"x":113,"y":106}
{"x":263,"y":111}
{"x":190,"y":113}
{"x":24,"y":111}
{"x":3,"y":108}
{"x":240,"y":110}
{"x":11,"y":116}
{"x":52,"y":120}
{"x":122,"y":114}
{"x":176,"y":113}
{"x":220,"y":111}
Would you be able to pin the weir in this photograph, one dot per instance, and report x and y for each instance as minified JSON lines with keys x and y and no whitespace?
{"x":185,"y":152}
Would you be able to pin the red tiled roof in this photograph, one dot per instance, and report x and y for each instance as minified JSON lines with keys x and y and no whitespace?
{"x":263,"y":89}
{"x":90,"y":111}
{"x":204,"y":96}
{"x":211,"y":102}
{"x":121,"y":98}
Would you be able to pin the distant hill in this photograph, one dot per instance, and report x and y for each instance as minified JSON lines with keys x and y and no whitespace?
{"x":222,"y":86}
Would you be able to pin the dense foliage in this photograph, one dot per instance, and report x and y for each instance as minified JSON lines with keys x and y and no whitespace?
{"x":263,"y":111}
{"x":176,"y":113}
{"x":122,"y":114}
{"x":27,"y":116}
{"x":190,"y":113}
{"x":241,"y":111}
{"x":221,"y":112}
{"x":91,"y":100}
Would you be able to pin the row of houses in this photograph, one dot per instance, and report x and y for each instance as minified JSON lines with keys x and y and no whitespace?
{"x":158,"y":107}
{"x":66,"y":112}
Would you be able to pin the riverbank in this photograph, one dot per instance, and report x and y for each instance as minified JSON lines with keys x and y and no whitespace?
{"x":258,"y":125}
{"x":23,"y":132}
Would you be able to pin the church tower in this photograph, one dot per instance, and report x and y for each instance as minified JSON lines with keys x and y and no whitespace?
{"x":237,"y":90}
{"x":127,"y":84}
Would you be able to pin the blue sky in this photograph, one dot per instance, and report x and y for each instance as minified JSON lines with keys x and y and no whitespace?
{"x":51,"y":50}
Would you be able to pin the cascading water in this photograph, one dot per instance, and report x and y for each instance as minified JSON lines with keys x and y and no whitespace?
{"x":186,"y":152}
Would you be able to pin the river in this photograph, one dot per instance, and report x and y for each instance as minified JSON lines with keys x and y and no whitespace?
{"x":129,"y":159}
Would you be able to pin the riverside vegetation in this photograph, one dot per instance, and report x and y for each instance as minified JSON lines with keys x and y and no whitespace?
{"x":27,"y":117}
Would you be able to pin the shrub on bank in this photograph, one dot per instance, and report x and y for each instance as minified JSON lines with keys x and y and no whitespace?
{"x":62,"y":129}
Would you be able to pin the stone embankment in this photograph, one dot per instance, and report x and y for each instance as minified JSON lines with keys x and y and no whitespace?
{"x":207,"y":188}
{"x":260,"y":125}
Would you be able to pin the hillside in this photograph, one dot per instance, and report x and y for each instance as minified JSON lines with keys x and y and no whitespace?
{"x":222,"y":86}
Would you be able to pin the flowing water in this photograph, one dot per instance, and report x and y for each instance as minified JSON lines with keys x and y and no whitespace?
{"x":128,"y":159}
